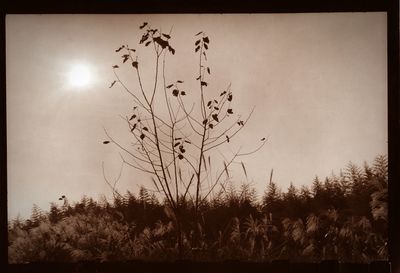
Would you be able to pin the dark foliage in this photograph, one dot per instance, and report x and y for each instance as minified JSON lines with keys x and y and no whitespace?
{"x":342,"y":218}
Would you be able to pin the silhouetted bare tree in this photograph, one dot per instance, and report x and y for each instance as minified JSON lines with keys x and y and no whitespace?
{"x":173,"y":141}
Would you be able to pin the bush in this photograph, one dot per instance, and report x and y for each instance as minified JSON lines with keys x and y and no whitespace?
{"x":234,"y":225}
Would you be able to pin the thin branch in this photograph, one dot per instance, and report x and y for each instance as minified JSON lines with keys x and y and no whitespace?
{"x":148,"y":132}
{"x":108,"y":183}
{"x":140,"y":168}
{"x":255,"y":150}
{"x":188,"y":114}
{"x":142,"y":89}
{"x":188,"y":186}
{"x":224,"y":133}
{"x":155,"y":80}
{"x":231,"y":136}
{"x":203,"y":106}
{"x":220,"y":175}
{"x":123,"y":148}
{"x":137,"y":100}
{"x":165,"y":90}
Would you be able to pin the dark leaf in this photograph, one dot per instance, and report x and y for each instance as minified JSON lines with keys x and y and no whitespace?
{"x":167,"y":36}
{"x":135,"y":64}
{"x":230,"y":111}
{"x":60,"y":198}
{"x":171,"y":50}
{"x":211,"y":125}
{"x":205,"y":56}
{"x":169,"y":86}
{"x":263,"y":139}
{"x":215,"y":101}
{"x":227,"y":139}
{"x":119,"y":49}
{"x":132,"y":49}
{"x":187,"y":141}
{"x":198,"y":78}
{"x":209,"y":103}
{"x":175,"y":92}
{"x":206,"y":40}
{"x":138,"y":120}
{"x":147,"y":43}
{"x":176,"y":144}
{"x":197,"y":49}
{"x":183,"y":93}
{"x":115,"y":66}
{"x":199,"y":33}
{"x":133,"y":127}
{"x":142,"y":136}
{"x":144,"y":38}
{"x":216,"y":108}
{"x":230,"y":97}
{"x":144,"y":24}
{"x":178,"y":138}
{"x":125,"y":57}
{"x":208,"y":70}
{"x":145,"y":128}
{"x":223,"y":93}
{"x":205,"y":121}
{"x":180,"y":156}
{"x":179,"y":81}
{"x":132,"y":117}
{"x":182,"y":149}
{"x":106,"y":142}
{"x":197,"y":42}
{"x":215,"y":117}
{"x":161,"y":42}
{"x":63,"y":196}
{"x":153,"y":30}
{"x":203,"y":83}
{"x":205,"y":46}
{"x":112,"y":84}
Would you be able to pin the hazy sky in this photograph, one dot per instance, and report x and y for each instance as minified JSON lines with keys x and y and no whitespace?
{"x":318,"y":82}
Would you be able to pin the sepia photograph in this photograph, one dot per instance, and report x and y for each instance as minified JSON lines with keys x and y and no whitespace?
{"x":200,"y":137}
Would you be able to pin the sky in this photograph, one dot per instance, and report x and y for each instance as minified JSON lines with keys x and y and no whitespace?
{"x":318,"y":83}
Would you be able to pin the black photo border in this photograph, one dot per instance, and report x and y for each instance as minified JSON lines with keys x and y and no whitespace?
{"x":391,"y":7}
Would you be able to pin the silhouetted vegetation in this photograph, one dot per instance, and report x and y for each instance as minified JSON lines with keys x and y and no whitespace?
{"x":203,"y":215}
{"x":176,"y":127}
{"x":341,"y":217}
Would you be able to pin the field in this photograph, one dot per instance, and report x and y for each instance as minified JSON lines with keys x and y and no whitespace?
{"x":342,"y":217}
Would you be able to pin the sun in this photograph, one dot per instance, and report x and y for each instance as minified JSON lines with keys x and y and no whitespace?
{"x":80,"y":75}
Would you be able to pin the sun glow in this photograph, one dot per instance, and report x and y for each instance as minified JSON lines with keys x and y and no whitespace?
{"x":80,"y":75}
